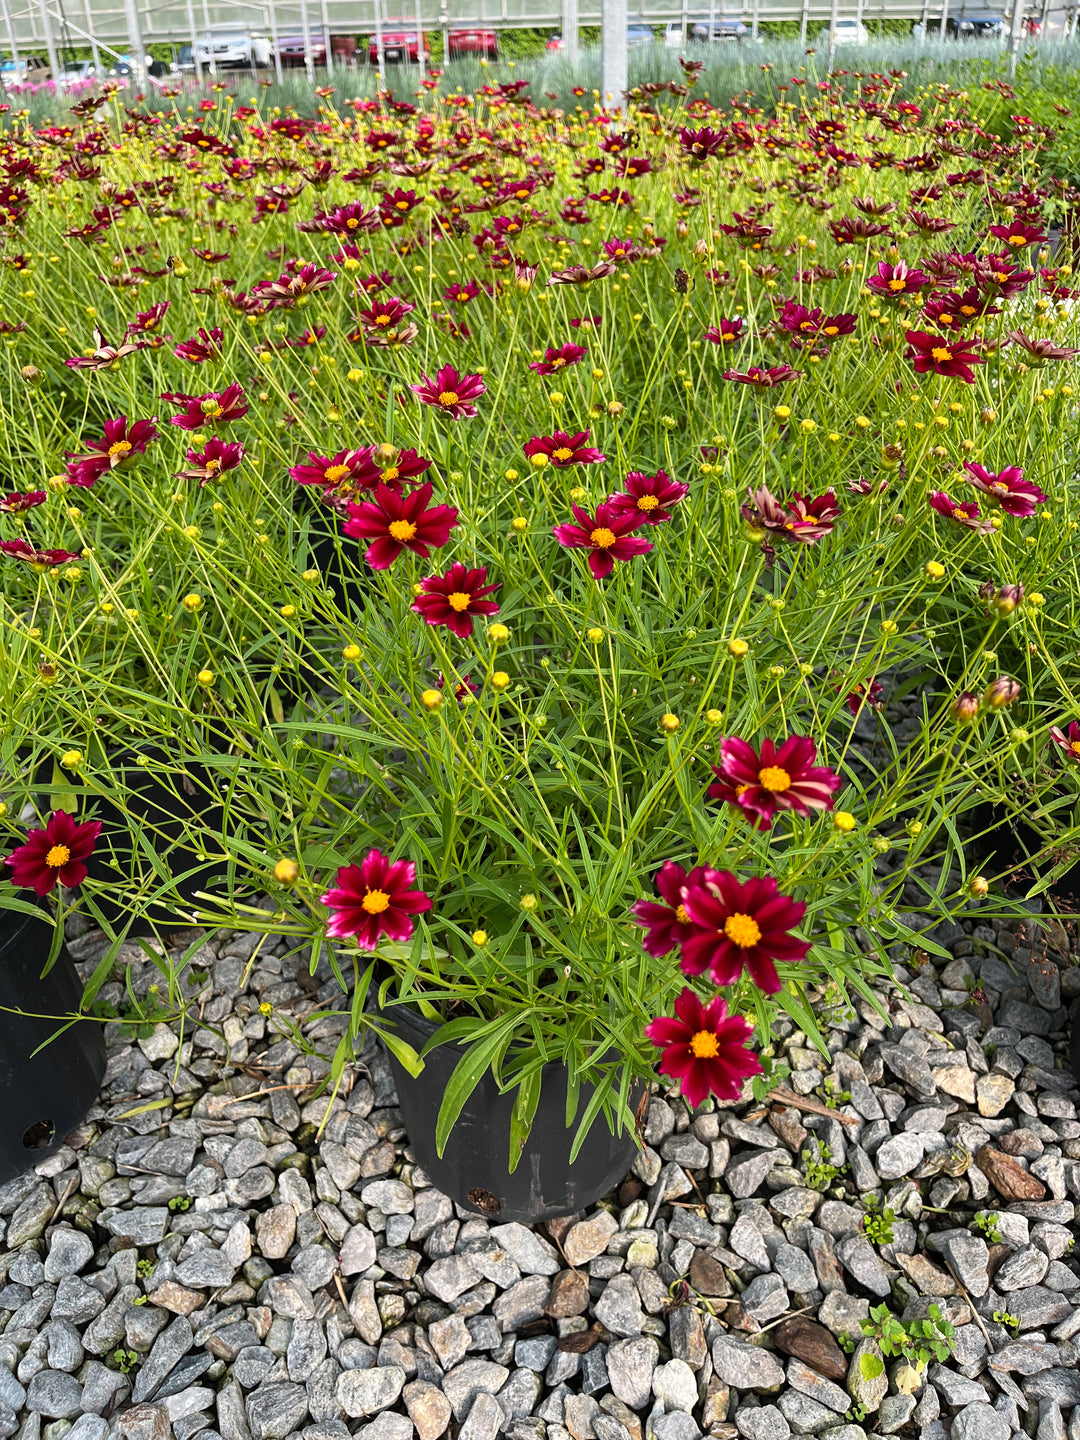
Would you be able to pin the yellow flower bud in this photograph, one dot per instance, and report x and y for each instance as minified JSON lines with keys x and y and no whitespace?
{"x":669,"y":723}
{"x":351,"y":652}
{"x":205,"y":677}
{"x":935,"y":569}
{"x":479,"y":937}
{"x":431,"y":699}
{"x":843,"y":821}
{"x":529,"y":902}
{"x":714,"y":717}
{"x":737,"y":648}
{"x":500,"y":680}
{"x":287,"y":611}
{"x":978,"y":886}
{"x":594,"y":634}
{"x":71,"y":759}
{"x":497,"y":633}
{"x":286,"y":871}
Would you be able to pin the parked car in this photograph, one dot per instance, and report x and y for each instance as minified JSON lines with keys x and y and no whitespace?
{"x":291,"y":49}
{"x":555,"y":42}
{"x":722,"y":29}
{"x":639,"y":35}
{"x":79,"y":72}
{"x":31,"y":70}
{"x":398,"y":46}
{"x":848,"y":32}
{"x":472,"y":42}
{"x":976,"y":25}
{"x":229,"y":49}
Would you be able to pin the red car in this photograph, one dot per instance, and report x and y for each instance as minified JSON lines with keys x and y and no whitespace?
{"x":472,"y":42}
{"x":291,"y":49}
{"x":399,"y":45}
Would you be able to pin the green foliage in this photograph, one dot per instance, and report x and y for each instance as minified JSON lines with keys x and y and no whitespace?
{"x":180,"y":1202}
{"x":818,"y":1173}
{"x":877,"y":1223}
{"x":918,"y":1341}
{"x":125,"y":1361}
{"x":986,"y":1225}
{"x":1011,"y":1322}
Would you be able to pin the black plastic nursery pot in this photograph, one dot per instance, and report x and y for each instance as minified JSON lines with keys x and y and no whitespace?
{"x":171,"y":811}
{"x":44,"y":1092}
{"x":1010,"y":841}
{"x":349,"y":579}
{"x":473,"y":1171}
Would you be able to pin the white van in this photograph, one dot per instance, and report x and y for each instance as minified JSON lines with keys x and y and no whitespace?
{"x":234,"y":49}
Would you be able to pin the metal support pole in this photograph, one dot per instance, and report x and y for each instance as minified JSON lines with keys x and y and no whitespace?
{"x":613,"y":63}
{"x":1016,"y":34}
{"x":50,"y":43}
{"x":193,"y":31}
{"x":834,"y":15}
{"x":755,"y":21}
{"x":380,"y":58}
{"x":138,"y":54}
{"x":271,"y":15}
{"x":684,"y":20}
{"x":945,"y":20}
{"x":803,"y":21}
{"x":570,"y":28}
{"x":1043,"y":18}
{"x":11,"y":39}
{"x":326,"y":39}
{"x":209,"y":49}
{"x":924,"y":22}
{"x":305,"y":30}
{"x":420,"y":39}
{"x":94,"y":51}
{"x":858,"y":19}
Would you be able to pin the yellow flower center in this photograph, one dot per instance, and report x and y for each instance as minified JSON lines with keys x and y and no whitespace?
{"x":774,"y":778}
{"x":647,"y":502}
{"x":806,"y":325}
{"x":558,"y":362}
{"x":334,"y":473}
{"x":684,"y":919}
{"x":352,"y":224}
{"x":959,"y":514}
{"x":896,"y":285}
{"x":727,"y":335}
{"x":945,"y":319}
{"x":742,"y":930}
{"x":832,"y":329}
{"x":1075,"y":747}
{"x":390,"y":473}
{"x":969,"y":310}
{"x":704,"y":1045}
{"x":57,"y":857}
{"x":402,"y":529}
{"x":211,"y":409}
{"x":602,"y":537}
{"x":1017,"y":240}
{"x":562,"y":453}
{"x":120,"y":448}
{"x":999,"y":487}
{"x":382,"y":319}
{"x":447,"y":397}
{"x":375,"y":902}
{"x":212,"y":466}
{"x":458,"y":600}
{"x":941,"y":355}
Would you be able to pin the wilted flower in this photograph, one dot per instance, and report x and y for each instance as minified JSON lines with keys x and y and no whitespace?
{"x":104,"y":355}
{"x":705,"y":1048}
{"x":454,"y":598}
{"x":40,"y":560}
{"x":19,"y":501}
{"x":58,"y":852}
{"x":373,"y":901}
{"x":800,"y":518}
{"x":763,"y":379}
{"x":1039,"y":349}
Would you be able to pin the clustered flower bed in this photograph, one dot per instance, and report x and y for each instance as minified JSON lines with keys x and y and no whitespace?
{"x":795,"y":384}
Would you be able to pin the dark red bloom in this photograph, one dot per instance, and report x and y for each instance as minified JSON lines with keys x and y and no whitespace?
{"x":58,"y":852}
{"x":964,"y":512}
{"x":651,"y":498}
{"x":740,"y":925}
{"x":799,"y":518}
{"x":892,"y":281}
{"x":705,"y":1048}
{"x":334,"y":471}
{"x":450,"y":392}
{"x":1017,"y":234}
{"x":373,"y":901}
{"x":104,"y":356}
{"x":287,"y":289}
{"x":399,"y":522}
{"x":558,"y":359}
{"x":1008,"y":488}
{"x":117,"y":447}
{"x":871,"y":694}
{"x":454,"y":598}
{"x":953,"y":310}
{"x":20,"y":501}
{"x":1039,"y":348}
{"x":210,"y":463}
{"x":700,"y":145}
{"x":666,"y":925}
{"x":725,"y":333}
{"x":147,"y":321}
{"x":1070,"y":742}
{"x":563,"y":449}
{"x":814,"y":323}
{"x":781,"y":778}
{"x":941,"y":356}
{"x":206,"y":347}
{"x":217,"y":407}
{"x":608,"y":537}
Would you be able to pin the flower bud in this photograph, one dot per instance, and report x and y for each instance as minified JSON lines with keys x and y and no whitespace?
{"x":31,"y":374}
{"x":1001,"y":692}
{"x":431,"y":699}
{"x":500,"y":680}
{"x":286,"y":871}
{"x":978,"y":886}
{"x":965,"y":708}
{"x":669,"y":723}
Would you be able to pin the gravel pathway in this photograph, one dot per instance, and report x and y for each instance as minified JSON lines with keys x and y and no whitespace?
{"x":195,"y":1262}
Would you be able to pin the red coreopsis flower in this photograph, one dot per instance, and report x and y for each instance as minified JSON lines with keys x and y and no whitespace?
{"x":450,"y":392}
{"x":943,"y":356}
{"x":814,"y":323}
{"x":725,"y":333}
{"x":399,"y":522}
{"x":870,"y":693}
{"x":782,"y":777}
{"x":287,"y":289}
{"x":215,"y":408}
{"x":800,"y":518}
{"x":332,"y":472}
{"x":58,"y":852}
{"x":40,"y":560}
{"x":463,"y":292}
{"x":118,"y":446}
{"x":705,"y":1048}
{"x":892,"y":281}
{"x":608,"y":537}
{"x":1039,"y":349}
{"x":701,"y":145}
{"x":1017,"y":235}
{"x":763,"y":379}
{"x":206,"y":347}
{"x":104,"y":355}
{"x":454,"y":598}
{"x":651,"y":498}
{"x":19,"y":501}
{"x":1007,"y":489}
{"x":964,"y":512}
{"x":558,"y":359}
{"x":1069,"y":742}
{"x":740,"y":925}
{"x":666,"y":925}
{"x":210,"y":463}
{"x":147,"y":321}
{"x":374,"y":901}
{"x":562,"y":449}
